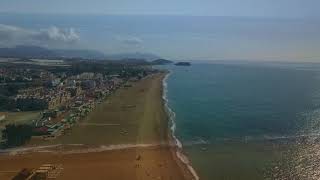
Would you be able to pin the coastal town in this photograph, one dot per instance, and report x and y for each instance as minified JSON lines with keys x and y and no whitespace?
{"x":85,"y":119}
{"x":61,"y":96}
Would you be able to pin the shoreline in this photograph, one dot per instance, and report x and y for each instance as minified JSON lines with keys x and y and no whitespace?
{"x":161,"y":149}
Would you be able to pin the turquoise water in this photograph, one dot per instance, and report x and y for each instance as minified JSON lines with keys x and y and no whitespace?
{"x":249,"y":120}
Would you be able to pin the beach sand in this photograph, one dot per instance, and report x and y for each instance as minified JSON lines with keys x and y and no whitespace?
{"x":133,"y":115}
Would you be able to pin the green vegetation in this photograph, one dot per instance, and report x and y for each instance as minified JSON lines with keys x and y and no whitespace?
{"x":16,"y":135}
{"x":18,"y":118}
{"x":6,"y":103}
{"x":21,"y":117}
{"x":31,"y":104}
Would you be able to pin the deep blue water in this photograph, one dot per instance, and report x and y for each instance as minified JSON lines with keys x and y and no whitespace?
{"x":246,"y":121}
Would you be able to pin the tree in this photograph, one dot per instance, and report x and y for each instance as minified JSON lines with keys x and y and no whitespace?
{"x":16,"y":135}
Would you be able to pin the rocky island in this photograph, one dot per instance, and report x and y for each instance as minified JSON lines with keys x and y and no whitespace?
{"x":183,"y":64}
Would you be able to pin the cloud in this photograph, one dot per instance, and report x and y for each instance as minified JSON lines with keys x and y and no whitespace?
{"x":13,"y":35}
{"x":131,"y":40}
{"x":56,"y":34}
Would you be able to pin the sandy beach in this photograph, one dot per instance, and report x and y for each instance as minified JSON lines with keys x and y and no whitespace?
{"x":133,"y":115}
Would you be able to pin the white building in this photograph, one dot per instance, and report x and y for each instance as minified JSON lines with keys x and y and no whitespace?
{"x":2,"y":116}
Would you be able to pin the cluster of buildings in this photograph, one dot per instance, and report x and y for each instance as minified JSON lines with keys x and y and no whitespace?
{"x":40,"y":98}
{"x":59,"y":92}
{"x":64,"y":101}
{"x":12,"y":75}
{"x":63,"y":96}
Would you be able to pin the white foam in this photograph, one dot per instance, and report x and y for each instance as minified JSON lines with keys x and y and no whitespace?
{"x":169,"y":111}
{"x":198,"y":141}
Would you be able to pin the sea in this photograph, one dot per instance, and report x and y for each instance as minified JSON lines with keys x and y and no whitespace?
{"x":247,"y":120}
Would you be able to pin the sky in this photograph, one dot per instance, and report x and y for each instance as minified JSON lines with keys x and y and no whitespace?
{"x":269,"y":8}
{"x":175,"y":29}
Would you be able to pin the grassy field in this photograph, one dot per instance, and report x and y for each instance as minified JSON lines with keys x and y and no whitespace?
{"x":20,"y":117}
{"x":131,"y":115}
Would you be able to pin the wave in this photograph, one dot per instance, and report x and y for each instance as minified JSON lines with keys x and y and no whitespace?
{"x":169,"y":111}
{"x":198,"y":141}
{"x":309,"y":137}
{"x":172,"y":116}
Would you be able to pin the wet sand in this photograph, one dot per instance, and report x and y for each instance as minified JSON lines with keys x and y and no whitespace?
{"x":133,"y":115}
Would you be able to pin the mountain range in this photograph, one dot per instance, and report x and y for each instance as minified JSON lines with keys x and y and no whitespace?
{"x":41,"y":52}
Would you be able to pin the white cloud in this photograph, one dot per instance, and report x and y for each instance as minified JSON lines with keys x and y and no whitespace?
{"x":56,"y":34}
{"x":13,"y":35}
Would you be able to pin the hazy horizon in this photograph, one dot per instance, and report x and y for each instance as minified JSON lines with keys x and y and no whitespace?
{"x":212,"y":30}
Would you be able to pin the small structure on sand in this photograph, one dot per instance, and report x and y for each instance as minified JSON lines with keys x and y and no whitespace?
{"x":45,"y":171}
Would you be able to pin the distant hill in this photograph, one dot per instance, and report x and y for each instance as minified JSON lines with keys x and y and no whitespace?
{"x":76,"y":53}
{"x":137,"y":55}
{"x":26,"y":52}
{"x":40,"y":52}
{"x":133,"y":61}
{"x":161,"y":62}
